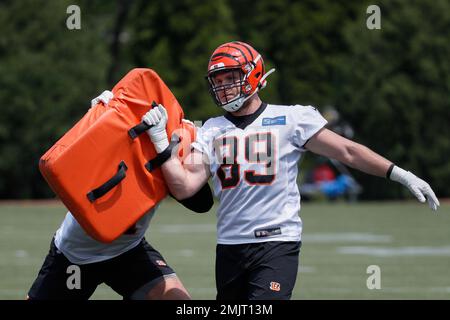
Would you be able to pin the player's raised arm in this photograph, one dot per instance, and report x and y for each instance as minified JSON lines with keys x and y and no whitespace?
{"x":355,"y":155}
{"x":183,"y":179}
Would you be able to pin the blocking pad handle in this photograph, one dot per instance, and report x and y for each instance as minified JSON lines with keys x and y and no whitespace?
{"x":141,"y":127}
{"x":108,"y":185}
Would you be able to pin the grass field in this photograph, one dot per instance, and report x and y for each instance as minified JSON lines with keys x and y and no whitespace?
{"x":409,"y":243}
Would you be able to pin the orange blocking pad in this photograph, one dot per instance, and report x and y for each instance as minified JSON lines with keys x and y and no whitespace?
{"x":99,"y":150}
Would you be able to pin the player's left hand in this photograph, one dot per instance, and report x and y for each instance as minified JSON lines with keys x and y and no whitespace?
{"x":418,"y":187}
{"x":104,"y":97}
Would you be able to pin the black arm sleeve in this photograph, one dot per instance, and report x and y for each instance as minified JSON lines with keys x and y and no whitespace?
{"x":200,"y":202}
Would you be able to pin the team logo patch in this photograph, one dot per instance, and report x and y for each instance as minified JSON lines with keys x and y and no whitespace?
{"x":277,"y":121}
{"x":275,"y":286}
{"x":160,"y":263}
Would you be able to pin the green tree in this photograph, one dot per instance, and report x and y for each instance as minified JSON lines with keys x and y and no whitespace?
{"x":301,"y":39}
{"x":49,"y":74}
{"x":175,"y":38}
{"x":393,"y":87}
{"x":391,"y":84}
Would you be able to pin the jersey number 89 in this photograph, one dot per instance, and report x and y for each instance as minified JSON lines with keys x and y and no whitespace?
{"x":229,"y":170}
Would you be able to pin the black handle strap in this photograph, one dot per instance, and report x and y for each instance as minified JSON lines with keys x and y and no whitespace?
{"x":163,"y":156}
{"x":108,"y":185}
{"x":141,"y":127}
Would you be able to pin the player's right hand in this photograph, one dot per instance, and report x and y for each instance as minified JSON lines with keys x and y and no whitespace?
{"x":157,"y":118}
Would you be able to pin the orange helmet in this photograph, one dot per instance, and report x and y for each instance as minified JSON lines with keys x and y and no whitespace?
{"x":251,"y":76}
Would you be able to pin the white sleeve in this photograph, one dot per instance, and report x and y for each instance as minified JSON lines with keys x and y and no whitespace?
{"x":308,"y":121}
{"x":202,"y":143}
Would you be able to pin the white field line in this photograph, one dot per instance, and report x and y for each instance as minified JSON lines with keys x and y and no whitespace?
{"x":395,"y":252}
{"x":306,"y":269}
{"x":346,"y":237}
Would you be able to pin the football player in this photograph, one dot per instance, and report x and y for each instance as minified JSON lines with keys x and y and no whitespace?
{"x":251,"y":154}
{"x":129,"y":264}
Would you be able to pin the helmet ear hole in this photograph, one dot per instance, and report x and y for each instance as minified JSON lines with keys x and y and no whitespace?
{"x":258,"y":75}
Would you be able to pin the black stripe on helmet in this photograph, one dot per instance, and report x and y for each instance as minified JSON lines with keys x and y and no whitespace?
{"x":243,"y":54}
{"x":246,"y":47}
{"x":222,"y":54}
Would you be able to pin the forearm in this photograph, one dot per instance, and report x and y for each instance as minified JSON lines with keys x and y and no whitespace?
{"x":184,"y":179}
{"x":362,"y":158}
{"x":355,"y":155}
{"x":177,"y":178}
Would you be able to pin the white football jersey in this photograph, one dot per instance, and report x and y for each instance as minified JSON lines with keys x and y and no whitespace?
{"x":80,"y":248}
{"x":253,"y":162}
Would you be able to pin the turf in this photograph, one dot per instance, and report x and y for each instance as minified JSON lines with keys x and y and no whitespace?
{"x":409,"y":243}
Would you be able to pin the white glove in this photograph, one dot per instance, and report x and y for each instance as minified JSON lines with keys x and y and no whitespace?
{"x":104,"y":97}
{"x":157,"y":117}
{"x":417,"y":186}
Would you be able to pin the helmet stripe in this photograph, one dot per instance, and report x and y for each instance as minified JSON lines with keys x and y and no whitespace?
{"x":246,"y":47}
{"x":223,"y":54}
{"x":243,"y":54}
